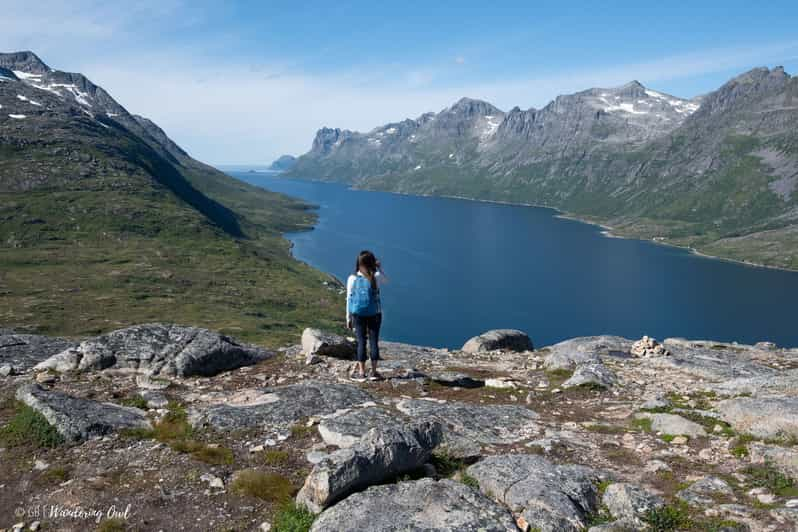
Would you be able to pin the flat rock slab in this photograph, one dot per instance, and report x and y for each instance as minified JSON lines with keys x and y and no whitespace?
{"x":78,"y":419}
{"x":784,"y":383}
{"x":587,"y":349}
{"x":551,"y":497}
{"x":23,"y":351}
{"x":468,"y":426}
{"x":280,"y":407}
{"x":765,"y":417}
{"x":706,"y":491}
{"x":422,"y":505}
{"x":383,"y":453}
{"x":345,"y":428}
{"x":627,"y":502}
{"x":158,"y":349}
{"x":499,"y":340}
{"x":712,"y":361}
{"x":461,"y":380}
{"x":785,"y":459}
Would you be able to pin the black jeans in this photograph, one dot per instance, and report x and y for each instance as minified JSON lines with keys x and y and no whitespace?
{"x":367,"y":326}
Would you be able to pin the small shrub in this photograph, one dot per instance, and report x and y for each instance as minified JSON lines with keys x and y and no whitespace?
{"x":57,"y":474}
{"x":276,"y":457}
{"x":213,"y":455}
{"x":767,"y":476}
{"x":301,"y":431}
{"x":446,"y":465}
{"x":740,"y":446}
{"x":470,"y":481}
{"x":642,"y":424}
{"x":293,"y":518}
{"x":267,"y":486}
{"x":28,"y":425}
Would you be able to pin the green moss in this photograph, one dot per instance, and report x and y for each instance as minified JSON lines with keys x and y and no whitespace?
{"x":136,"y":401}
{"x":642,"y":424}
{"x":29,"y":426}
{"x":292,"y":518}
{"x":267,"y":486}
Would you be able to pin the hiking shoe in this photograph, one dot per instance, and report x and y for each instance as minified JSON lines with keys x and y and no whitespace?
{"x":375,"y":376}
{"x":358,"y":377}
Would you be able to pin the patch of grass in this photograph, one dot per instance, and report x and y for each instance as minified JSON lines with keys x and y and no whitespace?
{"x":470,"y":481}
{"x":213,"y":455}
{"x":602,"y":487}
{"x":135,"y":401}
{"x":57,"y":474}
{"x":602,"y":428}
{"x":276,"y":457}
{"x":642,"y":424}
{"x":292,"y":518}
{"x":667,"y":518}
{"x":739,"y":447}
{"x":558,"y":376}
{"x":112,"y":525}
{"x":29,"y":426}
{"x":599,"y":517}
{"x":769,"y":477}
{"x":267,"y":486}
{"x":301,"y":431}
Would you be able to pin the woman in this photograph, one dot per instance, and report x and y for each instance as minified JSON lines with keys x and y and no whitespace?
{"x":364,"y":311}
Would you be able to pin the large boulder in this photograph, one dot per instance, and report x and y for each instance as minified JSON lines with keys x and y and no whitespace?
{"x":77,"y":419}
{"x":467,"y":427}
{"x":499,"y":339}
{"x":426,"y":504}
{"x":279,"y":407}
{"x":158,"y":349}
{"x":20,"y":352}
{"x":551,"y":497}
{"x":383,"y":453}
{"x":320,"y":343}
{"x":569,"y":354}
{"x":766,"y":417}
{"x":346,"y":427}
{"x":592,"y":374}
{"x":706,"y":491}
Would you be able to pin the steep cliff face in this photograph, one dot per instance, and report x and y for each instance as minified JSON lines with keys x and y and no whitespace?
{"x":695,"y":171}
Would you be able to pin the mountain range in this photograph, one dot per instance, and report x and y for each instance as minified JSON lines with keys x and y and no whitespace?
{"x":127,"y":227}
{"x":718,"y":172}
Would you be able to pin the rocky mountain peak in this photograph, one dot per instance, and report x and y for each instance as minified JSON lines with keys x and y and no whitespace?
{"x":25,"y":61}
{"x":470,"y":107}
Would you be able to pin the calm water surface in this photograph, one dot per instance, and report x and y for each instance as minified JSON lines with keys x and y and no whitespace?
{"x":459,"y":267}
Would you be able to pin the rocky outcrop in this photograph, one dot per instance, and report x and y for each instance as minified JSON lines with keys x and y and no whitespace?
{"x":20,"y":352}
{"x":77,"y":419}
{"x":569,"y":354}
{"x":551,"y":497}
{"x":767,"y":417}
{"x":706,"y":491}
{"x":319,"y":343}
{"x":381,"y":454}
{"x":280,"y":406}
{"x":629,"y":503}
{"x":499,"y":340}
{"x":467,"y":427}
{"x":444,"y":505}
{"x":158,"y":349}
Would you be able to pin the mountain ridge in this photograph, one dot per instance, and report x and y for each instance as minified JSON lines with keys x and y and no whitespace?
{"x":696,"y":172}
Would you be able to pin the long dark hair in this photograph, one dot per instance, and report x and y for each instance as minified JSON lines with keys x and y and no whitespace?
{"x":366,"y":264}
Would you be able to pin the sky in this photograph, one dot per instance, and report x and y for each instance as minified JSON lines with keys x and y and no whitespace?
{"x":242,"y":82}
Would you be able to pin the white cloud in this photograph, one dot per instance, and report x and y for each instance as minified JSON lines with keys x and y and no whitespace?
{"x":460,"y":60}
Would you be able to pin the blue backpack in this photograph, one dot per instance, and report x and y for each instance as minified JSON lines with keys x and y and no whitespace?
{"x":363,"y":299}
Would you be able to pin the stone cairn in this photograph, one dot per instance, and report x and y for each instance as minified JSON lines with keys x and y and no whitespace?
{"x":648,"y":347}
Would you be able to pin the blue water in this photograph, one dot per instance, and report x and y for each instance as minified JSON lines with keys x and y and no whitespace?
{"x":458,"y":268}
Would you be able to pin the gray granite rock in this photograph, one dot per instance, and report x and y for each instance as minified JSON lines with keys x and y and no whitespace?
{"x":420,"y":505}
{"x":766,"y":417}
{"x":674,"y":425}
{"x":706,"y":491}
{"x":711,"y":360}
{"x":320,"y":343}
{"x":280,"y":407}
{"x":628,"y":502}
{"x":469,"y":426}
{"x":345,"y":428}
{"x":461,"y":380}
{"x":158,"y":349}
{"x":571,"y":353}
{"x":382,"y":454}
{"x":770,"y":384}
{"x":785,"y":459}
{"x":591,"y":374}
{"x":499,"y":339}
{"x":77,"y":419}
{"x":621,"y":525}
{"x":23,"y":351}
{"x":551,"y":497}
